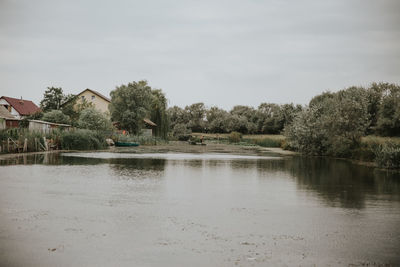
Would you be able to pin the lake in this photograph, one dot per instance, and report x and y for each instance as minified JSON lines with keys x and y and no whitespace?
{"x":187,"y":209}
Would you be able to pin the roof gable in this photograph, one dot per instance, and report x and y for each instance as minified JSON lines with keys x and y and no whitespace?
{"x":96,"y":93}
{"x":23,"y":107}
{"x":4,"y":113}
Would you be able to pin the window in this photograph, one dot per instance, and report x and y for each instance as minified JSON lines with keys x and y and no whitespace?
{"x":93,"y":96}
{"x":83,"y":98}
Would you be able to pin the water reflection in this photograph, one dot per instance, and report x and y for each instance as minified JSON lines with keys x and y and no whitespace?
{"x":341,"y":183}
{"x":336,"y":182}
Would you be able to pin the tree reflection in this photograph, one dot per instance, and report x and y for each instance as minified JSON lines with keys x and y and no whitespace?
{"x":342,"y":183}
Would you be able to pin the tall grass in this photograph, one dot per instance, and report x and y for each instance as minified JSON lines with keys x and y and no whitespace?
{"x":76,"y":140}
{"x":81,"y":139}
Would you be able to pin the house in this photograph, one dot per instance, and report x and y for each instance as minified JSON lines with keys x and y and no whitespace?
{"x":7,"y":120}
{"x":99,"y":101}
{"x":19,"y":108}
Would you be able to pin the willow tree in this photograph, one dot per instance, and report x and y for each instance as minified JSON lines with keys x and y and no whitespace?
{"x":158,"y":113}
{"x":133,"y":102}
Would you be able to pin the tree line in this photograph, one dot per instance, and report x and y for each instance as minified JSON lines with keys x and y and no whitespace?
{"x":329,"y":120}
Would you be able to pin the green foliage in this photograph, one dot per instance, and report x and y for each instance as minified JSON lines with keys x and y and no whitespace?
{"x":333,"y":124}
{"x":387,"y":155}
{"x":53,"y":98}
{"x":35,"y":116}
{"x":307,"y":133}
{"x":56,"y":116}
{"x":181,"y":132}
{"x":218,"y":120}
{"x":235,"y":137}
{"x":196,"y":114}
{"x":19,"y":135}
{"x":243,"y":119}
{"x":388,"y":117}
{"x":82,"y":139}
{"x":94,"y":120}
{"x":68,"y":108}
{"x":130,"y":104}
{"x":268,"y":118}
{"x":158,"y":114}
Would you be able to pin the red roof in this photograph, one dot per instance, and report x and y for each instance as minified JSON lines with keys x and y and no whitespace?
{"x":23,"y":107}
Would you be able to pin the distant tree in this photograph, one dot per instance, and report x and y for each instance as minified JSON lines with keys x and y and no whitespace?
{"x":177,"y":115}
{"x":181,"y":131}
{"x":218,"y":120}
{"x":333,"y":124}
{"x":196,"y":113}
{"x":158,"y":113}
{"x":270,"y":118}
{"x":130,"y":104}
{"x":289,"y":112}
{"x":93,"y":119}
{"x":53,"y":98}
{"x":243,"y":119}
{"x":56,"y":116}
{"x":388,"y":115}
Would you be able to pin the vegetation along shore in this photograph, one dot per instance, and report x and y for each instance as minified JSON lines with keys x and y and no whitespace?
{"x":356,"y":123}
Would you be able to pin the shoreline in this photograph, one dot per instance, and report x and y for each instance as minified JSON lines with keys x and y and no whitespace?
{"x":173,"y":146}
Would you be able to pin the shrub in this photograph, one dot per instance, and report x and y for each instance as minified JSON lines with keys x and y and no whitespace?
{"x":181,"y":132}
{"x":94,"y":120}
{"x":235,"y":137}
{"x":82,"y":140}
{"x":56,"y":116}
{"x":387,"y":155}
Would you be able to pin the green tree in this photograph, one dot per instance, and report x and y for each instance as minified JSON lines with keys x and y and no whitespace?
{"x":177,"y":115}
{"x":196,"y":114}
{"x":158,"y":113}
{"x":243,"y":119}
{"x":72,"y":109}
{"x":218,"y":120}
{"x":333,"y":124}
{"x":93,"y":119}
{"x":56,"y":116}
{"x":130,"y":104}
{"x":53,"y":98}
{"x":270,"y":118}
{"x":388,"y":117}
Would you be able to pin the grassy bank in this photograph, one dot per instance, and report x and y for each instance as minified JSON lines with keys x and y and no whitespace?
{"x":383,"y":151}
{"x":23,"y":140}
{"x":263,"y":140}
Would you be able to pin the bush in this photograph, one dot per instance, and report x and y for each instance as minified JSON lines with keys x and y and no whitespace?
{"x":235,"y":137}
{"x":387,"y":155}
{"x":267,"y":142}
{"x":181,"y":132}
{"x":82,"y":140}
{"x":56,"y":116}
{"x":94,"y":120}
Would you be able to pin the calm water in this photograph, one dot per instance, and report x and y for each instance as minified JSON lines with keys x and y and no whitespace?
{"x":122,"y":209}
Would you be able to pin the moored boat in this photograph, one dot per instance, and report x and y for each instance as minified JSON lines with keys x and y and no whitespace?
{"x":126,"y":144}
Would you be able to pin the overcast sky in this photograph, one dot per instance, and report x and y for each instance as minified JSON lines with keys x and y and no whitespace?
{"x":221,"y":53}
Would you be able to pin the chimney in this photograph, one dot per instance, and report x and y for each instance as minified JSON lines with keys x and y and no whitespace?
{"x":21,"y":101}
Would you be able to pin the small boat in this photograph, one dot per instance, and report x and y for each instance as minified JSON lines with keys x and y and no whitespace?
{"x":126,"y":144}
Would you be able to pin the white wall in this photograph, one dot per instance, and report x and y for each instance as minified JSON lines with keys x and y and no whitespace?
{"x":13,"y":111}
